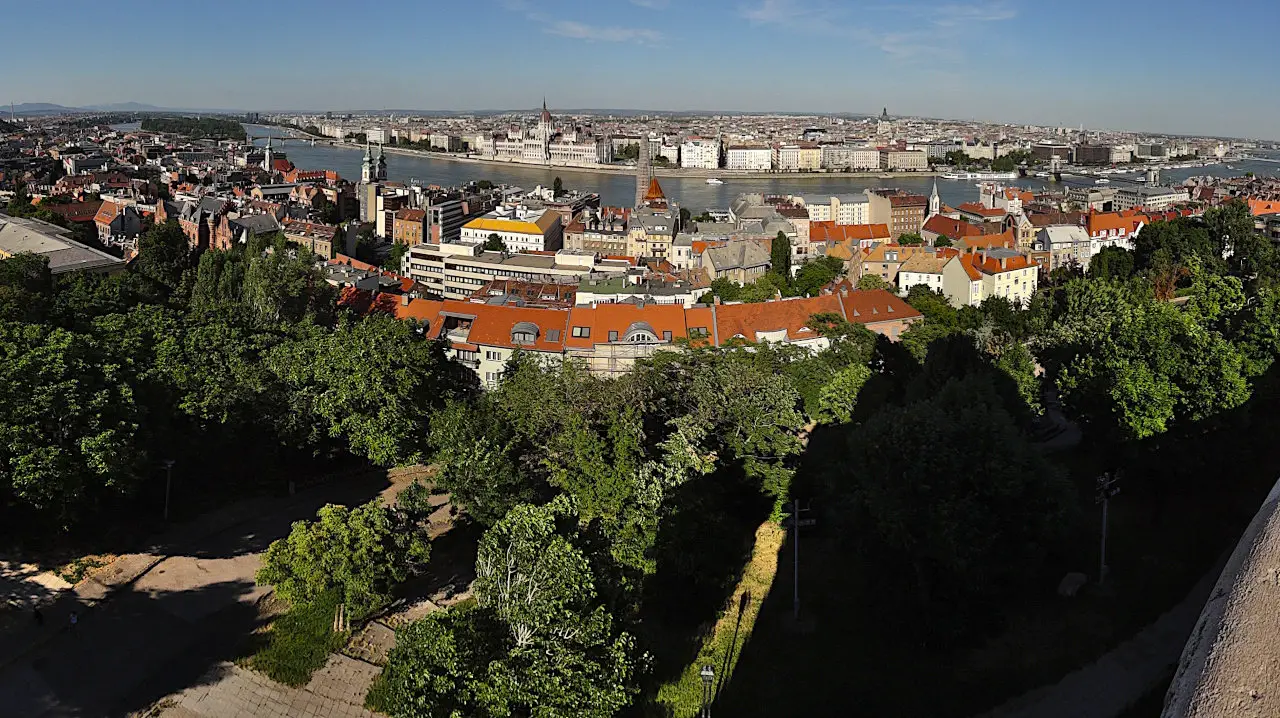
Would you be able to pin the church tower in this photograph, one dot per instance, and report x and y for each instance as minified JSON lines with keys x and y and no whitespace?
{"x":268,"y":156}
{"x":366,"y":165}
{"x":380,"y":172}
{"x":544,"y":124}
{"x":935,"y":202}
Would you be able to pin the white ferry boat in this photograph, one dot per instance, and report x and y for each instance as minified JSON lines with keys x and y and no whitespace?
{"x":1103,"y":180}
{"x":714,"y":180}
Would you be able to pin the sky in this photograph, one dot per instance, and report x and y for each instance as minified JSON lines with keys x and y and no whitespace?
{"x":1176,"y":66}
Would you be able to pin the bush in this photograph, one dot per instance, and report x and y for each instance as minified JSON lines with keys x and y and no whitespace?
{"x":300,"y":641}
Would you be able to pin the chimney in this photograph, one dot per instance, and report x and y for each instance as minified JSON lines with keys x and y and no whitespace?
{"x":1004,"y":262}
{"x":404,"y":300}
{"x":716,"y":300}
{"x":984,"y":256}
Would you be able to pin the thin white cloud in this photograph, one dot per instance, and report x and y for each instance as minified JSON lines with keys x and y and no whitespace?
{"x":954,"y":14}
{"x":651,"y":4}
{"x":575,"y":30}
{"x":597,"y":33}
{"x":787,"y":13}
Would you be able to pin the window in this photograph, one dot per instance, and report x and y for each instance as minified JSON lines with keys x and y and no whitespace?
{"x":492,"y":355}
{"x":666,"y":336}
{"x":697,"y":331}
{"x":553,"y":335}
{"x":613,"y":335}
{"x":582,"y":332}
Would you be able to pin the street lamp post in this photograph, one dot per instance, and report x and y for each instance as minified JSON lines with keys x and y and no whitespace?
{"x":708,"y":680}
{"x":168,"y":480}
{"x":1106,"y":489}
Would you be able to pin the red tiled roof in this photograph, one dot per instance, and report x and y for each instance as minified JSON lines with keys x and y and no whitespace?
{"x":975,"y":262}
{"x":107,"y":212}
{"x":975,"y":208}
{"x":1261,"y":206}
{"x":952,"y":228}
{"x":748,"y":321}
{"x":411,"y":215}
{"x":604,"y":318}
{"x":870,"y":306}
{"x":831,"y":232}
{"x":75,"y":211}
{"x":493,"y":324}
{"x":655,"y":191}
{"x":1005,"y":239}
{"x":1099,"y":222}
{"x":422,"y":310}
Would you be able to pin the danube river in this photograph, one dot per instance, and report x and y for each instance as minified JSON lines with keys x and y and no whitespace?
{"x":693,"y":193}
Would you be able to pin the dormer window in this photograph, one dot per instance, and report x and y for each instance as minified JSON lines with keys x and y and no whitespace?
{"x":524,"y":333}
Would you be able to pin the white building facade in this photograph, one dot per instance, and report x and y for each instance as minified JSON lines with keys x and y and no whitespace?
{"x":700,"y":154}
{"x":745,"y":157}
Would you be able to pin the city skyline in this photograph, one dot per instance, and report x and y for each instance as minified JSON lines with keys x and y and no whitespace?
{"x":983,"y":61}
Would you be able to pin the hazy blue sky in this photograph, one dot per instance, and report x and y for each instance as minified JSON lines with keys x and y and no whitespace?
{"x":1164,"y":65}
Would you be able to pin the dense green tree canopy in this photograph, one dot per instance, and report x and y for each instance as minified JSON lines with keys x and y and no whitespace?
{"x":362,"y":552}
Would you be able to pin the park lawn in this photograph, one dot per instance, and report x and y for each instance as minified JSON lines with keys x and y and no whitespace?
{"x":723,"y":647}
{"x":849,"y":660}
{"x":299,"y":642}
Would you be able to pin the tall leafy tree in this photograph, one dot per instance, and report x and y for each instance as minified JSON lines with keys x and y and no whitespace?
{"x":537,"y":643}
{"x":780,"y":256}
{"x":1131,"y":365}
{"x":363,"y":552}
{"x":373,"y":382}
{"x":1112,"y":263}
{"x":164,"y":254}
{"x":970,"y":515}
{"x":68,"y":422}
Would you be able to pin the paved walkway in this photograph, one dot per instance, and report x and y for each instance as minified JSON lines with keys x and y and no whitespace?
{"x":335,"y":691}
{"x":1113,"y":683}
{"x":153,"y":624}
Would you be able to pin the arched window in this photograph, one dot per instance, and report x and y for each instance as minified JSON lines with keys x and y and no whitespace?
{"x":524,"y":333}
{"x":640,"y":333}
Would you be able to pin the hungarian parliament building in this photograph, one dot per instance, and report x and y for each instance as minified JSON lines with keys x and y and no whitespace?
{"x":545,"y":145}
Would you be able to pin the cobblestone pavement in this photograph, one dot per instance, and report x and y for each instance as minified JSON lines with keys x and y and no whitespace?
{"x":335,"y":691}
{"x":153,"y":624}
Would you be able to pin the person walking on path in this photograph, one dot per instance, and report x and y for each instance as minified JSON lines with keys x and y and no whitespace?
{"x":74,"y":618}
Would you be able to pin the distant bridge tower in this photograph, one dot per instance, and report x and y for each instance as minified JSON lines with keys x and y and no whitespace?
{"x":1055,"y":168}
{"x":644,"y":169}
{"x":1153,"y":177}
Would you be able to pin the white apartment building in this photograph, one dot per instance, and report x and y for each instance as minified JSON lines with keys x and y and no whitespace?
{"x":799,"y":157}
{"x":378,"y":135}
{"x":846,"y":209}
{"x":522,"y":229}
{"x":836,"y":157}
{"x":922,"y":268}
{"x":865,"y":158}
{"x":456,"y":271}
{"x":1154,"y":199}
{"x":904,"y":160}
{"x":748,"y":157}
{"x":700,"y":154}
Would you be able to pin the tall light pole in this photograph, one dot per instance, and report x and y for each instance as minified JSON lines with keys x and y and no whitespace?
{"x":708,"y":680}
{"x":168,"y":480}
{"x":1106,"y":489}
{"x":795,"y":602}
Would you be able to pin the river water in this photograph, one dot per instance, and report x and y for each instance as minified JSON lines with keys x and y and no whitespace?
{"x":693,"y":193}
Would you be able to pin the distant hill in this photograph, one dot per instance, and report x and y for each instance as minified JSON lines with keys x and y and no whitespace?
{"x":127,"y":107}
{"x":49,"y":108}
{"x":41,"y":108}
